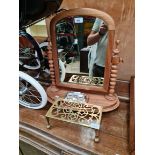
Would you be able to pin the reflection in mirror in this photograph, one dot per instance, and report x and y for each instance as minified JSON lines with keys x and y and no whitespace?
{"x":81,"y":44}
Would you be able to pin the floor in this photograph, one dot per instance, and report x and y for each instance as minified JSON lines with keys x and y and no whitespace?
{"x":26,"y":149}
{"x":73,"y":67}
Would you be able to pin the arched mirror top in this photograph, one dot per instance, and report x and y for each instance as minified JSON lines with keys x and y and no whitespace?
{"x":84,"y":12}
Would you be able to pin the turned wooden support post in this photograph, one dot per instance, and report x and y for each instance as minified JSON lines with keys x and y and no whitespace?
{"x":51,"y":63}
{"x":114,"y":69}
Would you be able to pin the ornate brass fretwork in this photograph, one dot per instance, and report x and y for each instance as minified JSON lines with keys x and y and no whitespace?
{"x":76,"y":112}
{"x":96,"y":81}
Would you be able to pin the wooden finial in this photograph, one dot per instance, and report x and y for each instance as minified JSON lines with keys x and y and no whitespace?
{"x":116,"y":51}
{"x":117,"y":43}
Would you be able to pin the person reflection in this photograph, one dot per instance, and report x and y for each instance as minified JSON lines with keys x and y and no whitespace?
{"x":98,"y":40}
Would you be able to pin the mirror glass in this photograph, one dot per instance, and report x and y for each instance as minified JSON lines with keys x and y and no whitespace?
{"x":81,"y":49}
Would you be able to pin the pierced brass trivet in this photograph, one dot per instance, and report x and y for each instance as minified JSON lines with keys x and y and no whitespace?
{"x":75,"y":112}
{"x":96,"y":81}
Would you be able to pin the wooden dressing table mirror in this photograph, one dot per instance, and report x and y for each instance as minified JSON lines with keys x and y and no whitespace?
{"x":98,"y":95}
{"x":67,"y":46}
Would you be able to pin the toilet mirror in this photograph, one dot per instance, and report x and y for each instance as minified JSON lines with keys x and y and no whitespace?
{"x":74,"y":57}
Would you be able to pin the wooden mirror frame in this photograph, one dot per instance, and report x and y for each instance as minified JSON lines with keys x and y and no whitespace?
{"x":111,"y":31}
{"x":104,"y":96}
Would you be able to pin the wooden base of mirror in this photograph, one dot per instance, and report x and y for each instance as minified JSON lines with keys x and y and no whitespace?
{"x":96,"y":99}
